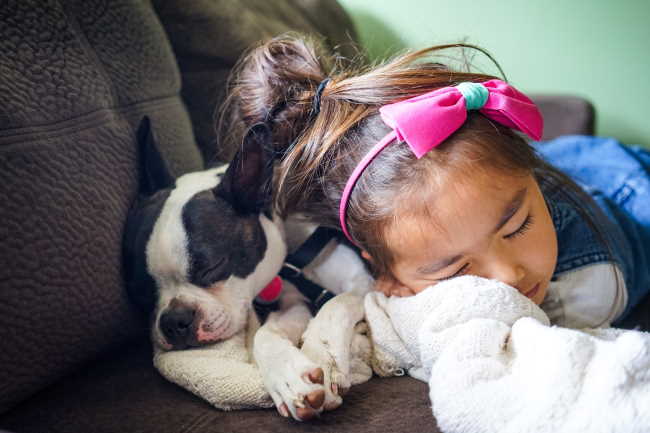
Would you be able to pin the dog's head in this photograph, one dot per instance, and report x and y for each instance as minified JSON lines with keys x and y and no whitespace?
{"x":198,"y":249}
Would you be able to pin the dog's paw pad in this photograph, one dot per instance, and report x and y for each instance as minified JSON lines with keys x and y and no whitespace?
{"x":316,"y":398}
{"x":314,"y":376}
{"x":306,"y":413}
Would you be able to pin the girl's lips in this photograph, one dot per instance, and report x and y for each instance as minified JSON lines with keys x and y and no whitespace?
{"x":532,"y":292}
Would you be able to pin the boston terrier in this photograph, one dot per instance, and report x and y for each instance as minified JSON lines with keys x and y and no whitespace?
{"x":200,"y":248}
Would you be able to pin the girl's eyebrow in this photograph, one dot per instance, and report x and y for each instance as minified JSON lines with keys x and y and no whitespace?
{"x":511,"y":209}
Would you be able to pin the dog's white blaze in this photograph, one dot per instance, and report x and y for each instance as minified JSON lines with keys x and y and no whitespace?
{"x":276,"y":251}
{"x":167,"y":255}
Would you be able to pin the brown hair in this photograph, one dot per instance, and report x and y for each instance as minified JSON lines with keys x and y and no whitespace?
{"x":276,"y":84}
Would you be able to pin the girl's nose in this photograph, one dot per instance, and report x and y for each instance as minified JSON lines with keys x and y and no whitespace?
{"x":508,"y":271}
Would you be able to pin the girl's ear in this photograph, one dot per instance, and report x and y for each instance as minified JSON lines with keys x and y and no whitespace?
{"x":246,"y":185}
{"x":366,"y":256}
{"x":154,"y":174}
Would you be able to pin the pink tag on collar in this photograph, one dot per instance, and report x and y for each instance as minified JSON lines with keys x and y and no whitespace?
{"x":272,"y":290}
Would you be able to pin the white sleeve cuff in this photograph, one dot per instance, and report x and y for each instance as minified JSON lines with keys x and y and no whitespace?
{"x":592,"y":296}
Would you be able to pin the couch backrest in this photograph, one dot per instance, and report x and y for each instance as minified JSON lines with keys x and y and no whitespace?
{"x":565,"y":114}
{"x":76,"y":76}
{"x":209,"y":36}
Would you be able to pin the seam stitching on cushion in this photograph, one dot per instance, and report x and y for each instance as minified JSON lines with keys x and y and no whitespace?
{"x":88,"y":120}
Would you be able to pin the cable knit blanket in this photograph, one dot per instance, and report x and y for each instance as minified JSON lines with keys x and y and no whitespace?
{"x":223,"y":374}
{"x":494,"y":364}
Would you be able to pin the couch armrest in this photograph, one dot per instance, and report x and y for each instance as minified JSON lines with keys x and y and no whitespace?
{"x":565,"y":115}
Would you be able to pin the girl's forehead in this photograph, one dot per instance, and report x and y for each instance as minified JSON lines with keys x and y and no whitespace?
{"x":451,"y":214}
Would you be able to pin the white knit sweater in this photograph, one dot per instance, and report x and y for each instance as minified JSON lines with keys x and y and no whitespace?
{"x":494,"y":364}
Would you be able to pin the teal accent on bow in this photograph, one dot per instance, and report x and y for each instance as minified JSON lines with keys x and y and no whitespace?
{"x":475,"y":94}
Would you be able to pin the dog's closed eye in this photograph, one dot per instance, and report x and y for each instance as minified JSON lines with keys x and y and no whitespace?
{"x":216,"y":271}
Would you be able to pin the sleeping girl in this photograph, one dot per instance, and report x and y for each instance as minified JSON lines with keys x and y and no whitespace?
{"x":427,"y":170}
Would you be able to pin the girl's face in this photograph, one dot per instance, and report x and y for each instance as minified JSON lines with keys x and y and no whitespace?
{"x":491,"y":225}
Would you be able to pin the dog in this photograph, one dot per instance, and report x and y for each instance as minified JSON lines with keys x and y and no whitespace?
{"x":200,"y":248}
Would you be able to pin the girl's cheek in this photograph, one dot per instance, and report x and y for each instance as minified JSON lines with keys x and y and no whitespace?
{"x":545,"y":244}
{"x":391,"y":287}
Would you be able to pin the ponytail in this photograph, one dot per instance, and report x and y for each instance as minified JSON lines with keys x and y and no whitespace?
{"x":273,"y":83}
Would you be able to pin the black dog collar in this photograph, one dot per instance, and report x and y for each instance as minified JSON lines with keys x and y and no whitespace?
{"x":296,"y":262}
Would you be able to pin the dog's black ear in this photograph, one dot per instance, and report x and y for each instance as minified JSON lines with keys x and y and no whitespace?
{"x":247,"y":181}
{"x":154,"y":174}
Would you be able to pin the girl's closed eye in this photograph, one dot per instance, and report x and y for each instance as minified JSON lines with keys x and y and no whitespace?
{"x":523,"y":228}
{"x":461,"y":271}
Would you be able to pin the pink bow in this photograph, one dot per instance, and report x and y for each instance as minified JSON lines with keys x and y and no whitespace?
{"x":427,"y":120}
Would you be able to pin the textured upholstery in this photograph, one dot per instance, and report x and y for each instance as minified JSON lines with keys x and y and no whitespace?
{"x":123,"y":393}
{"x":76,"y":77}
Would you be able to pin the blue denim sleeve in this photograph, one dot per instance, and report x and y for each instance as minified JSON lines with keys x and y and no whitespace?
{"x":618,"y":179}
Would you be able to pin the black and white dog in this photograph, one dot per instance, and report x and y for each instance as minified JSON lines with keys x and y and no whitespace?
{"x":199,"y":249}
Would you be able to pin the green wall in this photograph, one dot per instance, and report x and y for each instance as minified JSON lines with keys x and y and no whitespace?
{"x":598,"y":49}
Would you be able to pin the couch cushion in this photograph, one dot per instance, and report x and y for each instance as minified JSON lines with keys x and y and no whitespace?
{"x":123,"y":393}
{"x":75,"y":79}
{"x":209,"y":36}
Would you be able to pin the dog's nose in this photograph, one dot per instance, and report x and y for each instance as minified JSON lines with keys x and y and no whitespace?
{"x":176,"y":324}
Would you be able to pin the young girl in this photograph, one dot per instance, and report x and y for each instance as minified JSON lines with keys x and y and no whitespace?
{"x":426,"y":170}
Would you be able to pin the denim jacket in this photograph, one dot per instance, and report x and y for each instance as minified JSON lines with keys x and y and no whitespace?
{"x":618,"y":180}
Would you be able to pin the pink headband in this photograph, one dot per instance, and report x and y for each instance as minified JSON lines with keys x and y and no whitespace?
{"x":427,"y":120}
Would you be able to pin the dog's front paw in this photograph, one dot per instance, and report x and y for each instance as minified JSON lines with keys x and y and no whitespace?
{"x":335,"y":374}
{"x":361,"y":354}
{"x":296,"y":385}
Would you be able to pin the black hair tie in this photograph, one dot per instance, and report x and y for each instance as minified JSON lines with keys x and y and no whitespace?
{"x":315,"y":109}
{"x":315,"y":105}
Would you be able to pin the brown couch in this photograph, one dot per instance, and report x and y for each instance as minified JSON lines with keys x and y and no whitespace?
{"x":76,"y":76}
